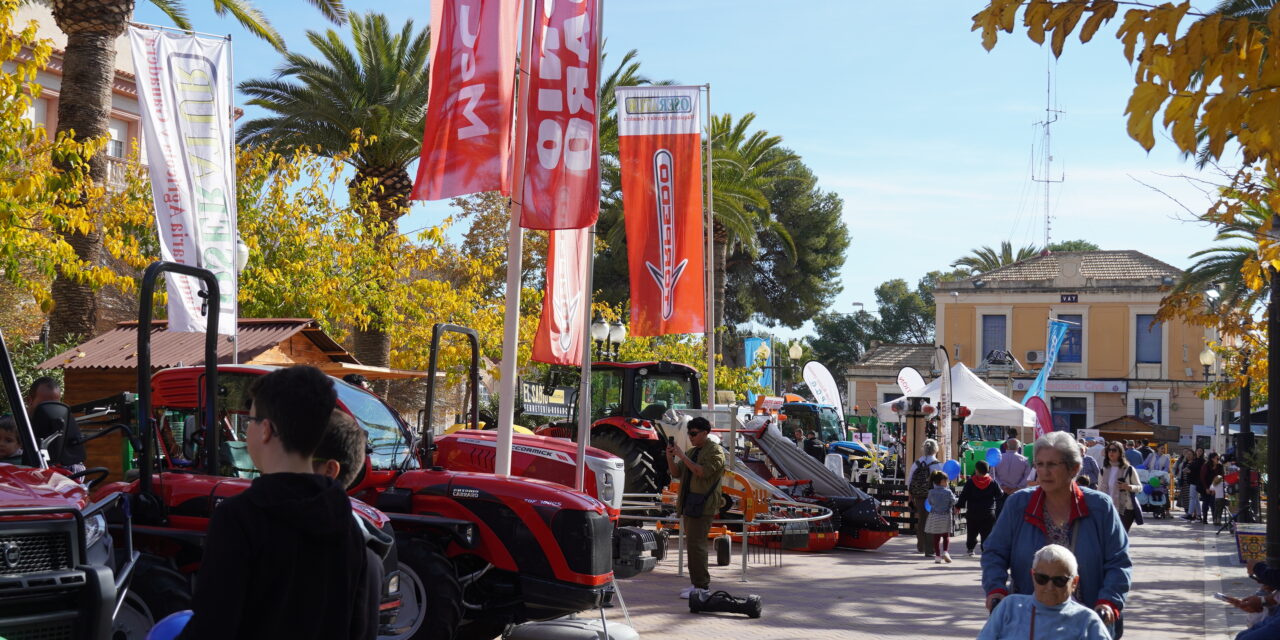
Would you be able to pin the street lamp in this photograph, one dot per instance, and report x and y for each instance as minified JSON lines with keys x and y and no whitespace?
{"x":607,"y":338}
{"x":794,"y":352}
{"x":1206,"y":359}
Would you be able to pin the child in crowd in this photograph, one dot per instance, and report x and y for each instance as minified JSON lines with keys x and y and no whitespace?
{"x":1219,"y":492}
{"x":979,"y":494}
{"x":260,"y":577}
{"x":939,"y":523}
{"x":341,"y":452}
{"x":10,"y":445}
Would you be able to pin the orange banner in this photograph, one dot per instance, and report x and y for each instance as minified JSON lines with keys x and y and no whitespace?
{"x":660,"y":150}
{"x":466,"y":146}
{"x":560,"y":338}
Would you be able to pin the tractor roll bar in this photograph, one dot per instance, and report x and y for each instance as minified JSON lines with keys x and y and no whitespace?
{"x":211,"y":431}
{"x":30,"y":448}
{"x":473,"y":375}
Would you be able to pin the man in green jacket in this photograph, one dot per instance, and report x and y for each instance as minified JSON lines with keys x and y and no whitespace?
{"x":699,"y":470}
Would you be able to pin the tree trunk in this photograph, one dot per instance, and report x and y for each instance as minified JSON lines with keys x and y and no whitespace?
{"x":372,"y":344}
{"x":84,"y":106}
{"x":720,"y":252}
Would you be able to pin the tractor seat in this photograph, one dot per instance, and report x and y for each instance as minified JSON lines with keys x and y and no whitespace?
{"x":236,"y":456}
{"x":653,"y":412}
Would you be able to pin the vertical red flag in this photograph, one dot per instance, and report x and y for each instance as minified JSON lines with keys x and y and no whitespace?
{"x":660,"y":149}
{"x":560,"y":339}
{"x":562,"y":165}
{"x":466,"y":147}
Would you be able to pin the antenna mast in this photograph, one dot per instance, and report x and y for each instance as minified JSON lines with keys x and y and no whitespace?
{"x":1046,"y":176}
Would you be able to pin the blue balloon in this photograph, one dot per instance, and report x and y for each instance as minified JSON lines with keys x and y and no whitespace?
{"x":993,"y":456}
{"x":1146,"y":488}
{"x":1141,"y":466}
{"x":927,"y":509}
{"x":170,"y":626}
{"x":951,"y":468}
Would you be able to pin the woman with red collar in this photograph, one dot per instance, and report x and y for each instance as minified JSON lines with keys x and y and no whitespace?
{"x":1058,"y":511}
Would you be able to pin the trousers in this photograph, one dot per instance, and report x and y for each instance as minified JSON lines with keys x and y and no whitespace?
{"x":696,"y":531}
{"x":977,"y":523}
{"x":924,"y":541}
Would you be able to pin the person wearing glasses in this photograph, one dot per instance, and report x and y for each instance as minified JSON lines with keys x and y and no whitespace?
{"x":699,"y":470}
{"x":1058,"y":511}
{"x":1050,"y":613}
{"x":285,"y":559}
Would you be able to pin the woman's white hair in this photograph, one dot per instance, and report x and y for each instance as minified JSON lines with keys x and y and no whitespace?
{"x":1064,"y":444}
{"x":1056,"y":553}
{"x":930,"y":447}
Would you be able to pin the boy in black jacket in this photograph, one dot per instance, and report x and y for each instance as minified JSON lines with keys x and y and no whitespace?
{"x":979,"y":495}
{"x":284,"y":559}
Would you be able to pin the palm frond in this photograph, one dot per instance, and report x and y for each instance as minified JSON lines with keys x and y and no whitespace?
{"x":173,"y":9}
{"x":251,"y":18}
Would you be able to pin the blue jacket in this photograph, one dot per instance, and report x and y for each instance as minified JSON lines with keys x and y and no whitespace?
{"x":1012,"y":620}
{"x":1100,"y":543}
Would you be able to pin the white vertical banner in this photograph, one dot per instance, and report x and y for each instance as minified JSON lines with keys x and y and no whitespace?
{"x":184,"y":90}
{"x":945,"y":398}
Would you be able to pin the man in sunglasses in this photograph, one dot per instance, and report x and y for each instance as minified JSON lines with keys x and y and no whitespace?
{"x":1050,"y":613}
{"x":698,"y":502}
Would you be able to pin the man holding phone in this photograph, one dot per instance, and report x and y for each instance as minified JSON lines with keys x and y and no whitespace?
{"x":698,"y":502}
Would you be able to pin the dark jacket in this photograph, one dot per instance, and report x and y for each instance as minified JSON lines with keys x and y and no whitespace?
{"x":284,"y":559}
{"x":1196,"y":467}
{"x":979,"y":494}
{"x":1207,"y":473}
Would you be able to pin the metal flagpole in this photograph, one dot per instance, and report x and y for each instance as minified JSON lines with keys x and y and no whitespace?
{"x":515,"y":256}
{"x":709,"y":266}
{"x":235,"y":226}
{"x":584,"y":385}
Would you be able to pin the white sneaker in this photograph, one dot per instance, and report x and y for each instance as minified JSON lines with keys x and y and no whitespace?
{"x":684,"y":593}
{"x":937,"y":559}
{"x":946,"y":557}
{"x":972,"y":554}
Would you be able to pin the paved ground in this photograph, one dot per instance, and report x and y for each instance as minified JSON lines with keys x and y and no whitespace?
{"x":891,"y":592}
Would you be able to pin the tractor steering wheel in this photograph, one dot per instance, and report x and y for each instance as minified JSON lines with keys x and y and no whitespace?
{"x":101,"y":474}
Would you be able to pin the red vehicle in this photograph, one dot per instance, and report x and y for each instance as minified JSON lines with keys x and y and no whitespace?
{"x":628,"y":400}
{"x":60,"y":574}
{"x":476,"y":551}
{"x":173,"y":500}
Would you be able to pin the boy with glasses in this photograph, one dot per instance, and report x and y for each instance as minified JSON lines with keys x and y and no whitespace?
{"x":699,"y":471}
{"x":284,"y":559}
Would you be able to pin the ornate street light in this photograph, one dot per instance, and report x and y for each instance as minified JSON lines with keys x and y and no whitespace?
{"x":607,"y":337}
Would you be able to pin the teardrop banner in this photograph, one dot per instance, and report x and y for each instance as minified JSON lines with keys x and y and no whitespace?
{"x":661,"y":160}
{"x":559,"y":339}
{"x":910,"y":381}
{"x":822,"y":385}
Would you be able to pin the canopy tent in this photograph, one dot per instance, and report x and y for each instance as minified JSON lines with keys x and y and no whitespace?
{"x":986,"y":405}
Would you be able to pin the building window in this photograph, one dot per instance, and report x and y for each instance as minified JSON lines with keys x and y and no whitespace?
{"x":1073,"y":342}
{"x":890,"y":397}
{"x":1069,"y":414}
{"x":1148,"y":409}
{"x":119,"y":134}
{"x":993,"y":333}
{"x":1149,"y":339}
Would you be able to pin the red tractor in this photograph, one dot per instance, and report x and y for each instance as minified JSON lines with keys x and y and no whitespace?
{"x":628,"y":402}
{"x":476,"y":551}
{"x":60,"y":573}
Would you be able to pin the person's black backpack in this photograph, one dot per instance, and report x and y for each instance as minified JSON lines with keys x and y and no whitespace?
{"x":920,"y":484}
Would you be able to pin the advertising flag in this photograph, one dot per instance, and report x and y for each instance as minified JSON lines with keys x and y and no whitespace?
{"x":559,"y":339}
{"x":561,"y":187}
{"x":1044,"y":418}
{"x":760,"y":351}
{"x":822,"y":384}
{"x":660,"y":152}
{"x":466,"y":146}
{"x":945,"y":397}
{"x":1057,"y":333}
{"x":184,"y":89}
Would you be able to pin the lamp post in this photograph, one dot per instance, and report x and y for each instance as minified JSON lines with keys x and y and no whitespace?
{"x":1244,"y":443}
{"x":794,"y":352}
{"x":607,"y":338}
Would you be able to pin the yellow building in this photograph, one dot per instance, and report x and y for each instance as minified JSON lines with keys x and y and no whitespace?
{"x":1115,"y":361}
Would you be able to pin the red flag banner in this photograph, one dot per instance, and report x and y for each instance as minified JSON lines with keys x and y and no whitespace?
{"x":560,"y":339}
{"x":561,"y":187}
{"x":466,"y":147}
{"x":660,"y":151}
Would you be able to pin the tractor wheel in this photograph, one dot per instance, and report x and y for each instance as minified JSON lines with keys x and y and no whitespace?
{"x":413,"y":609}
{"x":160,"y":587}
{"x":134,"y":620}
{"x":640,"y":464}
{"x":723,"y":544}
{"x":439,"y":595}
{"x":660,"y":549}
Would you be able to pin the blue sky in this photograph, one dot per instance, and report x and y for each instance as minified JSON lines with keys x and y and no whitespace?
{"x":897,"y":108}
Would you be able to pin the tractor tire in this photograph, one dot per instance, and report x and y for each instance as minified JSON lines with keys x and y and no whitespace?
{"x":660,"y":537}
{"x":134,"y":620}
{"x":441,"y":595}
{"x":639,"y":462}
{"x":160,"y":587}
{"x":723,"y":551}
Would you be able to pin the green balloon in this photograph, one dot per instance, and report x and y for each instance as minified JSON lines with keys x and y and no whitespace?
{"x":1154,"y":481}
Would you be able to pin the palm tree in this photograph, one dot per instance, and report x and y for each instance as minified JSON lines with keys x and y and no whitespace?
{"x":379,"y":87}
{"x":984,"y":259}
{"x":88,"y":69}
{"x":1220,"y":268}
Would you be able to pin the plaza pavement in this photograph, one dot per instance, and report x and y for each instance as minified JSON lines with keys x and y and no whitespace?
{"x":895,"y":593}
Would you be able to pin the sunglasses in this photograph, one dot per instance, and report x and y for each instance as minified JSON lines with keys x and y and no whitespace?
{"x":1058,"y":581}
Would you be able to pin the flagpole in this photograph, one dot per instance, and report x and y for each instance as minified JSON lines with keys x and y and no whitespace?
{"x":584,"y":385}
{"x":710,"y":271}
{"x":235,"y":221}
{"x":515,"y":257}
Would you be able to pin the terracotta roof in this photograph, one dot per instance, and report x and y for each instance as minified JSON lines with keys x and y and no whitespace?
{"x":118,"y":348}
{"x":1126,"y":267}
{"x":896,"y":356}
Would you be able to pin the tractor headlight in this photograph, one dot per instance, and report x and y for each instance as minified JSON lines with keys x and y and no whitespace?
{"x":95,"y":527}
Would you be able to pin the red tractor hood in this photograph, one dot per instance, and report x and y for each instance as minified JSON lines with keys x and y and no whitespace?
{"x":25,"y":487}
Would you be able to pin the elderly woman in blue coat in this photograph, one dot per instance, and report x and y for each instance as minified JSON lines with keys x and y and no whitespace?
{"x":1059,"y":511}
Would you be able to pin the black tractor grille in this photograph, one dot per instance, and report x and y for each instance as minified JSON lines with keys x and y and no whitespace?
{"x":586,"y":539}
{"x":35,"y":552}
{"x":60,"y":630}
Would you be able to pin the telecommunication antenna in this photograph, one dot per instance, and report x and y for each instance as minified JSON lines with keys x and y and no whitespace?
{"x":1046,"y":152}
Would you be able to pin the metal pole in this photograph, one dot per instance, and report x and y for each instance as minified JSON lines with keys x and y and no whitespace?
{"x":1244,"y":447}
{"x":710,"y":260}
{"x":1273,"y":419}
{"x":515,"y":256}
{"x":235,"y":228}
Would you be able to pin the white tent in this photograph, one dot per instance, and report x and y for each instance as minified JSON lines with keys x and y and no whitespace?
{"x":987,"y":406}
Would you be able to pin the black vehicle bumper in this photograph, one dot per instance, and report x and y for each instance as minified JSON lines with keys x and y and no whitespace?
{"x":552,"y":598}
{"x":71,"y":604}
